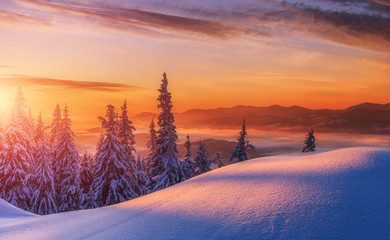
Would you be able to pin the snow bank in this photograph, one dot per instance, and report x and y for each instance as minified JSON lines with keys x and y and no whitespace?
{"x":342,"y":194}
{"x":10,"y":212}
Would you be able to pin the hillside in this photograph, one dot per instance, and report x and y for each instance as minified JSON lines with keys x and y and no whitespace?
{"x":341,"y":194}
{"x":9,"y":212}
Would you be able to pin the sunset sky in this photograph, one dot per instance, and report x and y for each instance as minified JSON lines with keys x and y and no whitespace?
{"x":217,"y":53}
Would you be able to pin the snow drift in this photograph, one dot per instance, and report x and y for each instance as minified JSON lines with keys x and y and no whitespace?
{"x":10,"y":212}
{"x":341,"y":194}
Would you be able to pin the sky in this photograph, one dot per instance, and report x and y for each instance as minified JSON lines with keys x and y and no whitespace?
{"x":217,"y":53}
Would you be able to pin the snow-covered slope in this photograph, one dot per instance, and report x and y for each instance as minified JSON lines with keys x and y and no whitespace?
{"x":9,"y":212}
{"x":342,"y":194}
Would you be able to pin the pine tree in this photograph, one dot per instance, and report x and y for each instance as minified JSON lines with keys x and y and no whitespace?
{"x":151,"y":144}
{"x":188,"y":165}
{"x":15,"y":166}
{"x":165,"y":169}
{"x":126,"y":135}
{"x":55,"y":132}
{"x":310,"y":142}
{"x":67,"y":171}
{"x":90,"y":200}
{"x":19,"y":114}
{"x":31,"y":179}
{"x":86,"y":176}
{"x":112,"y":182}
{"x":242,"y":145}
{"x":217,"y":159}
{"x":16,"y":158}
{"x":202,"y":163}
{"x":26,"y":124}
{"x":141,"y":176}
{"x":43,"y":199}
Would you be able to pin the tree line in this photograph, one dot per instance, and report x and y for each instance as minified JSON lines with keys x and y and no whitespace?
{"x":41,"y":170}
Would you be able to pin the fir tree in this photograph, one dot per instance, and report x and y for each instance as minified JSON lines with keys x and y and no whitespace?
{"x":217,"y":159}
{"x":43,"y":199}
{"x":202,"y":163}
{"x":188,"y":165}
{"x":310,"y":142}
{"x":141,"y":176}
{"x":126,"y":135}
{"x":151,"y":144}
{"x":55,"y":132}
{"x":86,"y":176}
{"x":26,"y":124}
{"x":165,"y":169}
{"x":240,"y":152}
{"x":112,"y":182}
{"x":16,"y":158}
{"x":19,"y":114}
{"x":67,"y":171}
{"x":89,"y":201}
{"x":32,"y":180}
{"x":14,"y":167}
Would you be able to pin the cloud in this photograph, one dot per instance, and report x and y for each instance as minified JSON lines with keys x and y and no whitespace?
{"x":367,"y":31}
{"x":360,"y":23}
{"x":382,"y":2}
{"x":25,"y":80}
{"x":8,"y":17}
{"x":134,"y":19}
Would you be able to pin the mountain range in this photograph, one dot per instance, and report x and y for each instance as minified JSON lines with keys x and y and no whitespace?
{"x":367,"y":118}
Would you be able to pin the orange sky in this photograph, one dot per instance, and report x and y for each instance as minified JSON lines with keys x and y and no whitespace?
{"x":216,"y":54}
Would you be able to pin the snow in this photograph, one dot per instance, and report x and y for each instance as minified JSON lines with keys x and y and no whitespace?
{"x":9,"y":212}
{"x":341,"y":194}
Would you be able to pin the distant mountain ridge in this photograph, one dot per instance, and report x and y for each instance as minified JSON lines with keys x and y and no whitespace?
{"x":369,"y":118}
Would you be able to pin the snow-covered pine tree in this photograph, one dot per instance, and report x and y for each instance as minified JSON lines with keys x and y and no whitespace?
{"x":126,"y":135}
{"x":86,"y":176}
{"x":31,"y":179}
{"x":201,"y":160}
{"x":151,"y":144}
{"x":67,"y":171}
{"x":14,"y":167}
{"x":165,"y":169}
{"x":188,"y":165}
{"x":217,"y":159}
{"x":43,"y":198}
{"x":242,"y":145}
{"x":19,"y":113}
{"x":16,"y":158}
{"x":90,"y":200}
{"x":142,"y":177}
{"x":26,"y":124}
{"x":55,"y":132}
{"x":112,"y":182}
{"x":310,"y":142}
